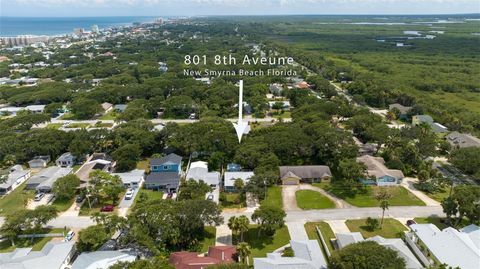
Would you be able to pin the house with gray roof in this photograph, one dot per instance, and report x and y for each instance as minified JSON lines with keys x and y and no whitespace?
{"x":403,"y":109}
{"x":426,"y":119}
{"x":230,"y":177}
{"x":54,"y":255}
{"x":66,"y":160}
{"x":11,"y":178}
{"x":39,"y":161}
{"x":293,"y":175}
{"x":460,"y":140}
{"x":199,"y":171}
{"x":164,"y":181}
{"x":101,"y":259}
{"x":170,"y":163}
{"x":132,"y":179}
{"x":378,"y":174}
{"x":456,"y":248}
{"x":307,"y":255}
{"x":44,"y":180}
{"x":345,"y":239}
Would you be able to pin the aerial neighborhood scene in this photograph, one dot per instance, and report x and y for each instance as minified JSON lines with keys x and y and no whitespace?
{"x":222,"y":134}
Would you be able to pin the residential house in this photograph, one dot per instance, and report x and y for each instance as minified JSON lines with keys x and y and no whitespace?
{"x":275,"y":89}
{"x":191,"y":260}
{"x":54,"y":255}
{"x":378,"y":173}
{"x":365,"y":148}
{"x":230,"y":177}
{"x":132,"y":179}
{"x":456,"y":248}
{"x":44,"y":180}
{"x":293,"y":175}
{"x":165,"y":173}
{"x":101,"y":259}
{"x":396,"y":244}
{"x":460,"y":140}
{"x":120,"y":108}
{"x":233,"y":167}
{"x":12,"y":178}
{"x":107,"y":107}
{"x":96,"y":161}
{"x":302,"y":85}
{"x":285,"y":104}
{"x":199,"y":171}
{"x":66,"y":160}
{"x":39,"y":162}
{"x":403,"y":110}
{"x":426,"y":119}
{"x":307,"y":255}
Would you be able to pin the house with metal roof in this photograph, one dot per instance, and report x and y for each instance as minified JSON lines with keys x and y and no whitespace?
{"x":345,"y":239}
{"x":44,"y":180}
{"x":54,"y":255}
{"x":39,"y":161}
{"x":11,"y":178}
{"x":65,"y":160}
{"x":132,"y":179}
{"x":378,"y":174}
{"x":101,"y":259}
{"x":230,"y":177}
{"x":308,"y":255}
{"x":293,"y":175}
{"x":199,"y":171}
{"x":456,"y":248}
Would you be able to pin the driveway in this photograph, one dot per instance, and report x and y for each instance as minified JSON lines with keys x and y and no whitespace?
{"x":338,"y":226}
{"x":216,"y":195}
{"x":45,"y":201}
{"x":408,"y":184}
{"x":125,"y":205}
{"x":297,"y":231}
{"x":223,"y":236}
{"x":288,"y":196}
{"x":252,"y":202}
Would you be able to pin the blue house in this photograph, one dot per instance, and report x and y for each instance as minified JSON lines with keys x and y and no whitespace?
{"x":170,"y":163}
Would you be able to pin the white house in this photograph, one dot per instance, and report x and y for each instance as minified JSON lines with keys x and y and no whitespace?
{"x":54,"y":255}
{"x":39,"y":161}
{"x":230,"y":177}
{"x":12,"y":178}
{"x":199,"y":171}
{"x":132,"y":179}
{"x":101,"y":259}
{"x":65,"y":160}
{"x":308,"y":255}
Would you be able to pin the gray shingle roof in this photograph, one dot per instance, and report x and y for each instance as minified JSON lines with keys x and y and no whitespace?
{"x":306,"y":171}
{"x":170,"y":158}
{"x":171,"y":179}
{"x":457,"y":139}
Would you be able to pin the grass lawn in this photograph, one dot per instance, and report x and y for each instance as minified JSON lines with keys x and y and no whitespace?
{"x":78,"y":125}
{"x":209,"y":238}
{"x":144,"y":165}
{"x":103,"y":125}
{"x":392,"y":228}
{"x":152,"y":195}
{"x":233,"y":200}
{"x":37,"y":244}
{"x":440,"y":222}
{"x":308,"y":199}
{"x":85,"y":210}
{"x":67,"y":116}
{"x":400,"y":196}
{"x":15,"y":200}
{"x":263,"y":244}
{"x":108,"y":116}
{"x":440,"y":195}
{"x":274,"y":196}
{"x":55,"y":126}
{"x":63,"y":204}
{"x":326,"y":231}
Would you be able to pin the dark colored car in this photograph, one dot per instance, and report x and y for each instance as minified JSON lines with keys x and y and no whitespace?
{"x":80,"y":198}
{"x":170,"y":195}
{"x":107,"y":208}
{"x":410,"y":222}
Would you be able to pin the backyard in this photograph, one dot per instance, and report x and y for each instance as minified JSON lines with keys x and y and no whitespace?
{"x":308,"y":199}
{"x":392,"y":228}
{"x":15,"y":200}
{"x":36,"y":244}
{"x":208,"y":239}
{"x":232,"y":200}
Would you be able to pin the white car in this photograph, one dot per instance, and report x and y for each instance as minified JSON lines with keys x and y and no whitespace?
{"x":69,"y":236}
{"x":129,"y":194}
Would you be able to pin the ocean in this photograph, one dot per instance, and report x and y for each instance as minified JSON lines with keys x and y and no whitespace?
{"x":13,"y":26}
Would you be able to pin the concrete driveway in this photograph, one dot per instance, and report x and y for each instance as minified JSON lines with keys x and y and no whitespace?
{"x":289,"y":199}
{"x":408,"y":184}
{"x":45,"y":201}
{"x":125,"y":205}
{"x":216,"y":195}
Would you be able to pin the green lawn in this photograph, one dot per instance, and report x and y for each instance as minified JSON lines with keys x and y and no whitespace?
{"x":392,"y":228}
{"x":326,"y":231}
{"x":55,"y":126}
{"x":108,"y":116}
{"x":440,"y":195}
{"x":440,"y":222}
{"x":63,"y":204}
{"x":308,"y":199}
{"x":103,"y":125}
{"x":233,"y":200}
{"x":208,"y":239}
{"x":400,"y":196}
{"x":37,"y":244}
{"x":15,"y":200}
{"x":78,"y":125}
{"x":144,"y":165}
{"x":262,"y":244}
{"x":85,"y":210}
{"x":274,"y":196}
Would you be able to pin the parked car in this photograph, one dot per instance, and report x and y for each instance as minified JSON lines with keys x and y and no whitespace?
{"x":210,"y":197}
{"x":192,"y":116}
{"x":69,"y":235}
{"x":38,"y":197}
{"x":129,"y":194}
{"x":80,"y":198}
{"x":107,"y":208}
{"x":410,"y":222}
{"x":170,"y":195}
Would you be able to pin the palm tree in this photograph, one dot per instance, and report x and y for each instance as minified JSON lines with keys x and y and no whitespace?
{"x":244,"y":251}
{"x":242,"y":225}
{"x":383,"y":197}
{"x":233,"y":224}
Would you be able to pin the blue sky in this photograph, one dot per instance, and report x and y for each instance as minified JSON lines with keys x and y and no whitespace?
{"x":62,"y":8}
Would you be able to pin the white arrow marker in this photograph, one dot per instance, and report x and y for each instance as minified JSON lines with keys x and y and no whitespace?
{"x":240,"y":126}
